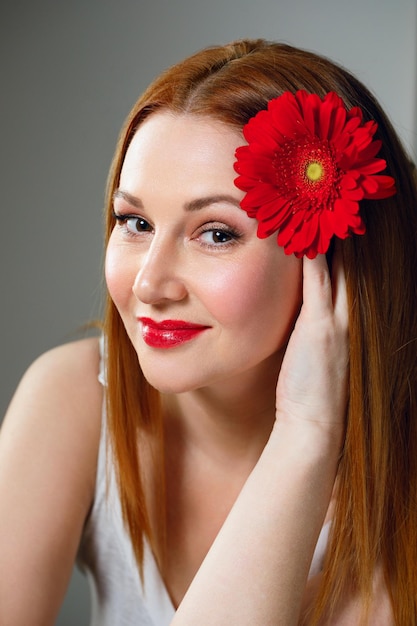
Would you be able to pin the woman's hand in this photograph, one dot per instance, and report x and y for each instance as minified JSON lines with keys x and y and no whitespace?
{"x":312,"y":385}
{"x":258,"y":565}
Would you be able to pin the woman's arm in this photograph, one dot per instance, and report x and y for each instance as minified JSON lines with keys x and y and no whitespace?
{"x":256,"y":571}
{"x":48,"y":449}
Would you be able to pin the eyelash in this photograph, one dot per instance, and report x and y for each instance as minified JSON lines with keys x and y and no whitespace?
{"x":123,"y":219}
{"x":214,"y":228}
{"x":223,"y":230}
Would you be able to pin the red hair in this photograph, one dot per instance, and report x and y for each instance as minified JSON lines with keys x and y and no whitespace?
{"x":375,"y":520}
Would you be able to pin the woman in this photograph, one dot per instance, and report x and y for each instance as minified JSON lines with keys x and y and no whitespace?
{"x":260,"y":422}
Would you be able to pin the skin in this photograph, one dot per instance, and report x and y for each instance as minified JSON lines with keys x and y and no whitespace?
{"x":246,"y":290}
{"x":177,"y":268}
{"x":48,"y":453}
{"x":303,"y":447}
{"x":276,"y":439}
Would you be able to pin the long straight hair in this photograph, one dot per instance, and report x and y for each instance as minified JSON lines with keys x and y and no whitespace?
{"x":375,"y":519}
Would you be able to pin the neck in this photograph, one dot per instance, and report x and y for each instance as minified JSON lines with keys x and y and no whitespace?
{"x":230,"y":419}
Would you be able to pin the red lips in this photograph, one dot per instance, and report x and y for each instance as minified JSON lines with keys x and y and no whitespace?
{"x":169,"y":333}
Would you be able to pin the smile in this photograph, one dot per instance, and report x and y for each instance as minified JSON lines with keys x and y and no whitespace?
{"x":169,"y":333}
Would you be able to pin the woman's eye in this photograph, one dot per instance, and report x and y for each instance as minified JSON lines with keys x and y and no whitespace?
{"x":133,"y":224}
{"x":216,"y":236}
{"x":137,"y":225}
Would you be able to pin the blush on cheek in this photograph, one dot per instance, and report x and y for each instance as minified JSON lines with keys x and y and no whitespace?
{"x":115,"y":276}
{"x":237,"y":295}
{"x":225,"y":294}
{"x":266,"y":296}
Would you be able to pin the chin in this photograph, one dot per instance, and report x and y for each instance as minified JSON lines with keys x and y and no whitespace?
{"x":171,"y":382}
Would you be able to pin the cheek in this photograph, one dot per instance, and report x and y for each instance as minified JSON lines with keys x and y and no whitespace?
{"x":119,"y":278}
{"x":224,"y":293}
{"x":284,"y":299}
{"x":258,"y":294}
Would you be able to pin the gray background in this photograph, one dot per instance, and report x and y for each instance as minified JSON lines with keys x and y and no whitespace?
{"x":70,"y":71}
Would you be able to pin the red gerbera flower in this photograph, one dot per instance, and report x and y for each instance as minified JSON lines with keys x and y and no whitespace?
{"x":307,"y":165}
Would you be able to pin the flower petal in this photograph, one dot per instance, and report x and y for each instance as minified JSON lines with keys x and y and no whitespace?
{"x":308,"y":163}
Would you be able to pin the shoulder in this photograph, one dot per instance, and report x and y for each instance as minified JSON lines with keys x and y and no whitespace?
{"x":75,"y":363}
{"x":60,"y":396}
{"x":66,"y":378}
{"x":56,"y":409}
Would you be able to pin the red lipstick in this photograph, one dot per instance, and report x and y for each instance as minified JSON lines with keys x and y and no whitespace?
{"x":169,"y":333}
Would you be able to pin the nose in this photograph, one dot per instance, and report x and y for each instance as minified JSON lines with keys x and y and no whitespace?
{"x":159,"y":277}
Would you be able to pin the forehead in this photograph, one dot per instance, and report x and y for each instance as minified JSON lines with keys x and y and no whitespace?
{"x":182,"y":143}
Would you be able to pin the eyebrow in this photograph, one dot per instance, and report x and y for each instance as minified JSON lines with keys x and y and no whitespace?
{"x":200,"y":203}
{"x":132,"y":200}
{"x":192,"y":205}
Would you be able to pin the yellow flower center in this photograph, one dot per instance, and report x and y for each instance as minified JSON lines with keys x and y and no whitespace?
{"x":314,"y":171}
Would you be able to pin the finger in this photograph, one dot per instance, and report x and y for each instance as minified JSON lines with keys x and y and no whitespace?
{"x":339,"y":287}
{"x":317,"y":286}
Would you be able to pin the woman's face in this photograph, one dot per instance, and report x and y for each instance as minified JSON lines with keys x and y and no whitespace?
{"x":202,"y":298}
